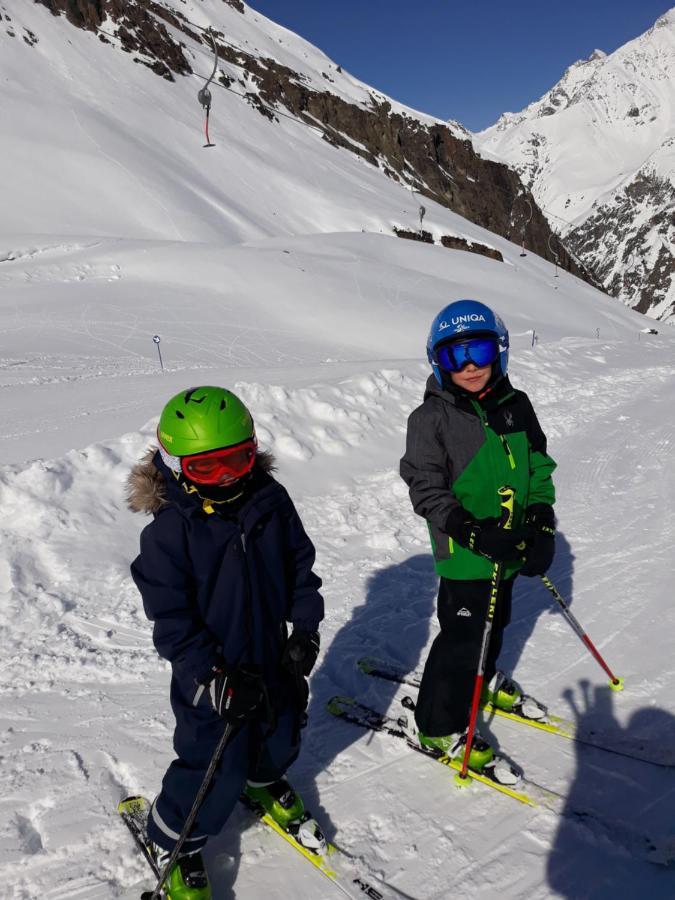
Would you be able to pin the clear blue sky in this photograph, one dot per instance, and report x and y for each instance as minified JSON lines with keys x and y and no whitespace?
{"x":463,"y":60}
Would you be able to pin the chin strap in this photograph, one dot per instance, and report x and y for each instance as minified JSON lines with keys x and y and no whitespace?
{"x":208,"y":503}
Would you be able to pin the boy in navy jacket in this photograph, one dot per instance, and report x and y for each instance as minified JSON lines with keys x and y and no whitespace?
{"x":223,"y":567}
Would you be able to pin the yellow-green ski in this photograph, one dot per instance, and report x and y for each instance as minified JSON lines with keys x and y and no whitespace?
{"x":637,"y":844}
{"x":618,"y":744}
{"x":348,"y":875}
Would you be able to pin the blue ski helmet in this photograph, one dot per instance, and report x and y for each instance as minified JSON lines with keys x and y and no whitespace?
{"x":466,"y":318}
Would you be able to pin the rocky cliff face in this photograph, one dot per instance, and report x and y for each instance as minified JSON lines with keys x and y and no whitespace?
{"x":436,"y":159}
{"x":629,"y":243}
{"x":598,"y":153}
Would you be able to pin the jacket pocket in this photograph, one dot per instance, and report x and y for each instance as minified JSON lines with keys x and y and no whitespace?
{"x":442,"y":544}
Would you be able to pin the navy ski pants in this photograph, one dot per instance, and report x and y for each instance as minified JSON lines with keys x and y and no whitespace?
{"x":251,"y":754}
{"x":449,"y":675}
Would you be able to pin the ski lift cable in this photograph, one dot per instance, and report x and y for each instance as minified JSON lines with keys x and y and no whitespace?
{"x":275,"y":111}
{"x":224,"y":87}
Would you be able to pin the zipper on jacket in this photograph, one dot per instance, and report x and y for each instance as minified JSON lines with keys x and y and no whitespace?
{"x":247,"y":581}
{"x":502,"y":439}
{"x":507,"y":450}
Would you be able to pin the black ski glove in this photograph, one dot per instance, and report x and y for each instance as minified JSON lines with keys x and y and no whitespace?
{"x":541,"y":550}
{"x":301,"y":651}
{"x":487,"y":537}
{"x":236,"y":694}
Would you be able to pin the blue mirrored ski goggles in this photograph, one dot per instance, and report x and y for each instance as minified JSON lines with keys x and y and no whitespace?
{"x":479,"y":351}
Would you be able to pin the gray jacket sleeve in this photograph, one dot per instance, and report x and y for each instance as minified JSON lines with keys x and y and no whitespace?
{"x":427,"y":469}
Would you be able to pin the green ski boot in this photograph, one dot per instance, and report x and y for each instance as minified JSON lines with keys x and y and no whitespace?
{"x":506,"y":694}
{"x":187,"y":879}
{"x":285,"y":806}
{"x":278,"y":799}
{"x":453,"y":745}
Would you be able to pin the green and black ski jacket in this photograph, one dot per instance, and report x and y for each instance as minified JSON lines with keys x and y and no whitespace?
{"x":459,"y":452}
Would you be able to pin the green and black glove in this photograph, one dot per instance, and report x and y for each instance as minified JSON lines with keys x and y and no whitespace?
{"x":488,"y":537}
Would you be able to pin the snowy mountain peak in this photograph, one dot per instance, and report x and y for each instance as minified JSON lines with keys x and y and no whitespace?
{"x":599,"y":145}
{"x":595,"y":56}
{"x":664,"y":21}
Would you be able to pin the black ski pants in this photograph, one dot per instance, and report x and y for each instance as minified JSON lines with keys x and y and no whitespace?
{"x":449,"y":676}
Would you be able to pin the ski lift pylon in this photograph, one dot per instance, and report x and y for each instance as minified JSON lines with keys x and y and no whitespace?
{"x":523,"y":199}
{"x":554,"y":237}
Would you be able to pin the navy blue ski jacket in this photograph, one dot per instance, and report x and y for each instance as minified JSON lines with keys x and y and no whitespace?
{"x":225,"y":582}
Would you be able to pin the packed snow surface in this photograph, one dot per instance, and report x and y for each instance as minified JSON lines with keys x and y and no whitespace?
{"x":261,"y":266}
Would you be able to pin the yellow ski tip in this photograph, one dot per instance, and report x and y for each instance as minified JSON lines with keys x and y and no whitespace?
{"x":132,"y":805}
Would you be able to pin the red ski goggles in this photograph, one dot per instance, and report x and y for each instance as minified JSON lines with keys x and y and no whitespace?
{"x":220,"y":466}
{"x":480,"y":351}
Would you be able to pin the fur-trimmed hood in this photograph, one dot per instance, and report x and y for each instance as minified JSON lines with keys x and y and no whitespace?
{"x":147,"y":489}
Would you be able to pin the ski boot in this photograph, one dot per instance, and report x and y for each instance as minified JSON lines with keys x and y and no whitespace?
{"x":187,"y":879}
{"x":506,"y":694}
{"x":482,"y":758}
{"x":285,"y":806}
{"x":453,"y":745}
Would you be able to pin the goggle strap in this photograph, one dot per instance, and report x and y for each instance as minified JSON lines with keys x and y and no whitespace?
{"x":171,"y":462}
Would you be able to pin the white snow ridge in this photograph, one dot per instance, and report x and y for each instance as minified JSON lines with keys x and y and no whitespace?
{"x":266,"y":264}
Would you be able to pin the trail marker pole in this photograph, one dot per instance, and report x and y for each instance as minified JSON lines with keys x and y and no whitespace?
{"x":156,"y":339}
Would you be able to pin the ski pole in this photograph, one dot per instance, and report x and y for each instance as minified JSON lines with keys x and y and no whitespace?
{"x":507,"y":497}
{"x":615,"y":683}
{"x":206,"y":783}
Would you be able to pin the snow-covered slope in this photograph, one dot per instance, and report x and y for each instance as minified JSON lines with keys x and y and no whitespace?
{"x":598,"y":151}
{"x":296,"y":90}
{"x":109,"y":150}
{"x":261,"y":266}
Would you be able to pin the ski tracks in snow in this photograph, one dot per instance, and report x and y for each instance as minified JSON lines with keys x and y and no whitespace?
{"x":86,"y":700}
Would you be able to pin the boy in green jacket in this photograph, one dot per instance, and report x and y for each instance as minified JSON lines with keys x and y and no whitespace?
{"x":473,"y":434}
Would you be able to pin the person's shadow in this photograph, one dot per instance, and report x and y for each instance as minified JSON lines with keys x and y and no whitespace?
{"x":635,"y":798}
{"x":532,"y":600}
{"x":393,"y":623}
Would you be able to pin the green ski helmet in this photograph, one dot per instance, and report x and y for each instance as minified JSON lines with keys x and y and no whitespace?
{"x":199,"y":420}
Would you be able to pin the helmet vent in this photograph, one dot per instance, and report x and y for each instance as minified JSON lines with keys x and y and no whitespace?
{"x":188,"y":397}
{"x":179,"y":414}
{"x":223,"y":404}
